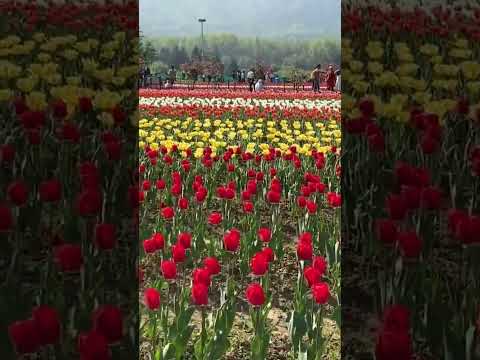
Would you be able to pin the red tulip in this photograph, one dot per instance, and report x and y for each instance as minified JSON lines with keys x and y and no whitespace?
{"x":394,"y":345}
{"x":396,"y":317}
{"x":85,"y":104}
{"x":105,"y":237}
{"x":396,"y":207}
{"x":273,"y":197}
{"x":7,"y":153}
{"x":410,"y":244}
{"x":248,"y":207}
{"x":108,"y":321}
{"x":47,"y":322}
{"x":169,"y":269}
{"x":183,"y":203}
{"x":255,"y":294}
{"x":259,"y":264}
{"x":269,"y":254}
{"x":200,"y":275}
{"x":158,"y":241}
{"x":93,"y":345}
{"x":50,"y":191}
{"x":69,"y":257}
{"x":265,"y":234}
{"x":321,"y":292}
{"x":215,"y":218}
{"x":146,"y":185}
{"x":200,"y":294}
{"x":311,"y":207}
{"x":17,"y":192}
{"x":312,"y":275}
{"x":212,"y":265}
{"x":178,"y":253}
{"x":149,"y":246}
{"x":185,"y":239}
{"x":151,"y":297}
{"x":89,"y":202}
{"x":24,"y":336}
{"x":231,"y":240}
{"x":320,"y":264}
{"x":304,"y":250}
{"x":301,"y":202}
{"x":167,"y":213}
{"x":160,"y":184}
{"x":334,"y":200}
{"x":386,"y":230}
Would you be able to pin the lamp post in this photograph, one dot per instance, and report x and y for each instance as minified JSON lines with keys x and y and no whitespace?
{"x":201,"y":21}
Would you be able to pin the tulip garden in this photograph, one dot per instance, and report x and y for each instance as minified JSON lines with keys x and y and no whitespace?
{"x":411,"y":154}
{"x":68,"y":256}
{"x":239,"y":225}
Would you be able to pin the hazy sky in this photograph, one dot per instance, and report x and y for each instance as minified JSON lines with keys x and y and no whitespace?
{"x":245,"y":17}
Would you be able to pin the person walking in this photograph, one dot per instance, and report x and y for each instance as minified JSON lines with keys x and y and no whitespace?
{"x":338,"y":86}
{"x":172,"y":76}
{"x":316,"y":78}
{"x":251,"y":79}
{"x":147,"y":76}
{"x":331,"y":78}
{"x":242,"y":76}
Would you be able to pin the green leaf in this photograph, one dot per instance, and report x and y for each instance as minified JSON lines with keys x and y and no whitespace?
{"x":169,"y":352}
{"x":337,"y":316}
{"x":182,"y":340}
{"x":197,"y":349}
{"x":302,"y":355}
{"x":297,"y":328}
{"x":469,"y":335}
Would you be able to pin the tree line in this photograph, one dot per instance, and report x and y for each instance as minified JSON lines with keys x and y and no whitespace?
{"x":282,"y":54}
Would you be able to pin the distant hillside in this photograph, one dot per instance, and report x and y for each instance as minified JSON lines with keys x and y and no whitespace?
{"x":301,"y":19}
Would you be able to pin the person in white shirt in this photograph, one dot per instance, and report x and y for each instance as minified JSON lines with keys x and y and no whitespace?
{"x":338,"y":84}
{"x":259,"y":85}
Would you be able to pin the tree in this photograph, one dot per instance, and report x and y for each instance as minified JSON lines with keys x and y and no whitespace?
{"x":196,"y":54}
{"x":233,"y":66}
{"x":216,"y":54}
{"x":148,"y":53}
{"x":260,"y":70}
{"x":207,"y":67}
{"x":182,"y":56}
{"x":247,"y":51}
{"x":165,"y":55}
{"x":295,"y":75}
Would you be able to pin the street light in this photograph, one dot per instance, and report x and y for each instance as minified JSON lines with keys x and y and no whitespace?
{"x":201,"y":21}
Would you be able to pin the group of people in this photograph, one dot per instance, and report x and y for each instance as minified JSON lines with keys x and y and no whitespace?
{"x":256,"y":83}
{"x":241,"y":76}
{"x":146,"y":77}
{"x":332,"y":78}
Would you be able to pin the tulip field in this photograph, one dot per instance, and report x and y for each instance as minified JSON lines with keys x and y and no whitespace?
{"x":410,"y":111}
{"x":239,"y":225}
{"x":68,"y":197}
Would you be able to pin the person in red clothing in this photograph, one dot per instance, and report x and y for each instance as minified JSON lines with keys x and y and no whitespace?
{"x":331,"y":78}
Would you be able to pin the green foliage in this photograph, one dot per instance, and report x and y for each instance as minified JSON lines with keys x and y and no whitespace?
{"x":246,"y":51}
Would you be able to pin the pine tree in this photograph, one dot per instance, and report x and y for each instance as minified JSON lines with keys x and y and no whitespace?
{"x":196,"y":54}
{"x":165,"y":55}
{"x":149,"y":53}
{"x":233,"y":66}
{"x":183,"y":56}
